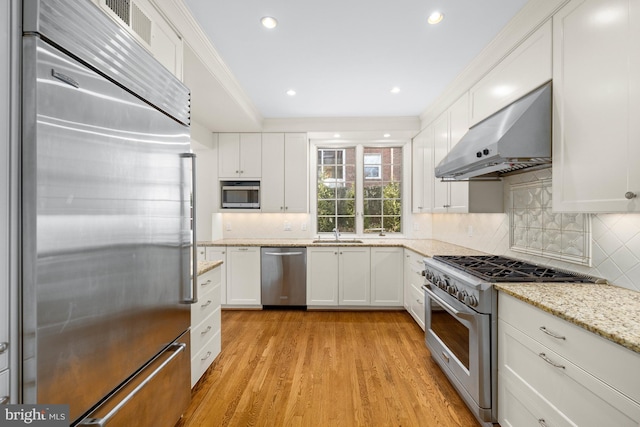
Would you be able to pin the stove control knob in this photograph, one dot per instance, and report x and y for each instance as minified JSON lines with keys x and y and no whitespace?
{"x":473,"y":302}
{"x":461,"y":295}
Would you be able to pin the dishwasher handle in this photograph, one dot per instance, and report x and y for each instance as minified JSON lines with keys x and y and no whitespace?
{"x":284,"y":253}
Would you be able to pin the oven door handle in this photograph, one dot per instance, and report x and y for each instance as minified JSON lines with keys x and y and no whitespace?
{"x":448,"y":307}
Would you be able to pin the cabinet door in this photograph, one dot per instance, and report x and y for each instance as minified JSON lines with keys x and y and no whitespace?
{"x":229,"y":155}
{"x":458,"y":127}
{"x":596,"y":131}
{"x":387,"y":276}
{"x":322,"y":276}
{"x":440,"y":150}
{"x":273,"y":174}
{"x":243,"y":276}
{"x":250,"y":155}
{"x":166,"y":45}
{"x":296,"y":173}
{"x":219,"y":253}
{"x":354,"y":276}
{"x":422,"y":172}
{"x":523,"y":70}
{"x":417,"y":305}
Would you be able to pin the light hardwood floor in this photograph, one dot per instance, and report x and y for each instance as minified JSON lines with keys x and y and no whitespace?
{"x":335,"y":368}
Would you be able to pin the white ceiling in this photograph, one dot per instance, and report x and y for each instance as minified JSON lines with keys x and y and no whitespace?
{"x":343,"y":56}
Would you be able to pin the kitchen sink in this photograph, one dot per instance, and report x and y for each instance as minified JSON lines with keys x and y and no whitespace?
{"x":337,"y":242}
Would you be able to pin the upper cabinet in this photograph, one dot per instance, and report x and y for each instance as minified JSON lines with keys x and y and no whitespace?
{"x":285,"y":161}
{"x":523,"y":70}
{"x":147,"y":25}
{"x":239,"y":155}
{"x":596,"y":116}
{"x":422,"y":171}
{"x":449,"y":129}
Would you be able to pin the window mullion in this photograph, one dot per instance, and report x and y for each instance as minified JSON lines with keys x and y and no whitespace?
{"x":359,"y":189}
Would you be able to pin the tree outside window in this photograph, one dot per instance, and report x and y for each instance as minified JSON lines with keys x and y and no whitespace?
{"x":336,"y":190}
{"x":382,"y":196}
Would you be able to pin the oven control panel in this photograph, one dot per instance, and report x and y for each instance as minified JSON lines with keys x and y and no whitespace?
{"x":448,"y":285}
{"x":467,"y":291}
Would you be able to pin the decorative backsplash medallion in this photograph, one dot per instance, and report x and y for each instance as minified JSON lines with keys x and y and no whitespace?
{"x":535,"y":229}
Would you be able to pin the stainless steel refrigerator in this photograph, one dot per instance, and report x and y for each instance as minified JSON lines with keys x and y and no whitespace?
{"x":106,"y":221}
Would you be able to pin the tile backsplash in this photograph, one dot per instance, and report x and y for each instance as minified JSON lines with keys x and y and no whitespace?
{"x":615,"y":239}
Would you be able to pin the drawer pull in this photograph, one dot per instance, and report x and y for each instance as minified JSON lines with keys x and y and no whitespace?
{"x":206,"y":304}
{"x":4,"y":399}
{"x":206,"y":330}
{"x":550,"y":362}
{"x":207,"y":283}
{"x":542,"y":422}
{"x":3,"y":347}
{"x":552,"y":334}
{"x":445,"y":356}
{"x":206,"y":356}
{"x":418,"y":301}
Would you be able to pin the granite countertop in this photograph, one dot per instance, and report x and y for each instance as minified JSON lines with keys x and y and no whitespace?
{"x":204,"y":266}
{"x":607,"y":310}
{"x":425,"y":247}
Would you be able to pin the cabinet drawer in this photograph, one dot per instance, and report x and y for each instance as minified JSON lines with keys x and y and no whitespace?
{"x":4,"y":386}
{"x":519,"y":406}
{"x":204,"y":358}
{"x":208,"y":281}
{"x":417,"y":305}
{"x":206,"y":305}
{"x":613,"y":364}
{"x":201,"y":333}
{"x":582,"y":398}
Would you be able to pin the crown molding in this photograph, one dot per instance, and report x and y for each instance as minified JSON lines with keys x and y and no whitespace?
{"x":528,"y":20}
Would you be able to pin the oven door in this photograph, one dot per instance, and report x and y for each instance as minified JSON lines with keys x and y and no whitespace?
{"x":459,"y":339}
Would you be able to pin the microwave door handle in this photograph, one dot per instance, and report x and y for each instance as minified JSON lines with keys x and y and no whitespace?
{"x":448,"y":307}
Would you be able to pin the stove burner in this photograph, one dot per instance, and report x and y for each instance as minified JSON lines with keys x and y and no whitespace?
{"x":495,"y":268}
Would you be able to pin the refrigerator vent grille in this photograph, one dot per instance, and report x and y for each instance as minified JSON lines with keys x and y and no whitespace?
{"x":131,"y":14}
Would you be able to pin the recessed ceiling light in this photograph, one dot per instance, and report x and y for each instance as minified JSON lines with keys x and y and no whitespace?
{"x":291,"y":92}
{"x":387,"y":135}
{"x":395,"y":90}
{"x":435,"y":18}
{"x":269,"y":22}
{"x":336,"y":135}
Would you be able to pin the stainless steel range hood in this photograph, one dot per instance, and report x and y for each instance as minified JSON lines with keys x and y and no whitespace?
{"x":514,"y":138}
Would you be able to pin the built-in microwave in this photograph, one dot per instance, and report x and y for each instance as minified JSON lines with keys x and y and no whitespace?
{"x":240,"y":194}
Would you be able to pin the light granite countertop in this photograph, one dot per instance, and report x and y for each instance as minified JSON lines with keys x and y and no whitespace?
{"x":425,"y":247}
{"x":607,"y":310}
{"x":205,"y":266}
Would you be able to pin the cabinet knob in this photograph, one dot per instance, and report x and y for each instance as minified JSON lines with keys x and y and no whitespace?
{"x":286,"y":208}
{"x":3,"y":347}
{"x":280,"y":207}
{"x":335,"y":253}
{"x":630,"y":195}
{"x":241,"y":171}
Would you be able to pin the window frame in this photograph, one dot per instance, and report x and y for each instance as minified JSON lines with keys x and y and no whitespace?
{"x":359,"y":145}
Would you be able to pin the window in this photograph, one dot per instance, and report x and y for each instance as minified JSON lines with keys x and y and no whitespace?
{"x":336,"y":189}
{"x":359,"y":189}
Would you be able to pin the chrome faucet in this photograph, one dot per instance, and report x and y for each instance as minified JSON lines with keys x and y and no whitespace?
{"x":336,"y":232}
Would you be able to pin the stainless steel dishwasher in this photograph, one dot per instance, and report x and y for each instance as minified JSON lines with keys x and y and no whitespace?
{"x":284,"y":276}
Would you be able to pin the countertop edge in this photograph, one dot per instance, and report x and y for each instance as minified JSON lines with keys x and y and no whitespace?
{"x":206,"y":266}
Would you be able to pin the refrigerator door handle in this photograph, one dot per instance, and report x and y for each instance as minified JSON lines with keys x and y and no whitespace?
{"x":194,"y":244}
{"x":177,"y":349}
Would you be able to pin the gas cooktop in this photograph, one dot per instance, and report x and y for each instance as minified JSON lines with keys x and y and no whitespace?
{"x":493,"y":268}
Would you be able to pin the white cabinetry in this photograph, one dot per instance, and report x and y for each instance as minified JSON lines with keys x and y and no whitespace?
{"x":552,"y":370}
{"x":338,"y":276}
{"x":239,"y":155}
{"x":205,"y":324}
{"x":243,"y":276}
{"x":596,"y":126}
{"x":413,"y":280}
{"x":145,"y":23}
{"x":285,"y":161}
{"x":523,"y":70}
{"x":219,"y":253}
{"x":422,"y":171}
{"x":449,"y":128}
{"x":387,"y":277}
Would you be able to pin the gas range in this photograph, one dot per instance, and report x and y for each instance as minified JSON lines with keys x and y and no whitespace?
{"x":470,"y":279}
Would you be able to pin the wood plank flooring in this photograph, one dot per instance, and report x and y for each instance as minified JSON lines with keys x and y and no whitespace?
{"x":335,"y":368}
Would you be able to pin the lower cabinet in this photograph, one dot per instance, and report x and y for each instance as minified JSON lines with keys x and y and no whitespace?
{"x":219,"y":253}
{"x":355,"y":276}
{"x":243,"y":276}
{"x":413,"y":280}
{"x":205,"y":324}
{"x":387,"y":277}
{"x":551,"y":372}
